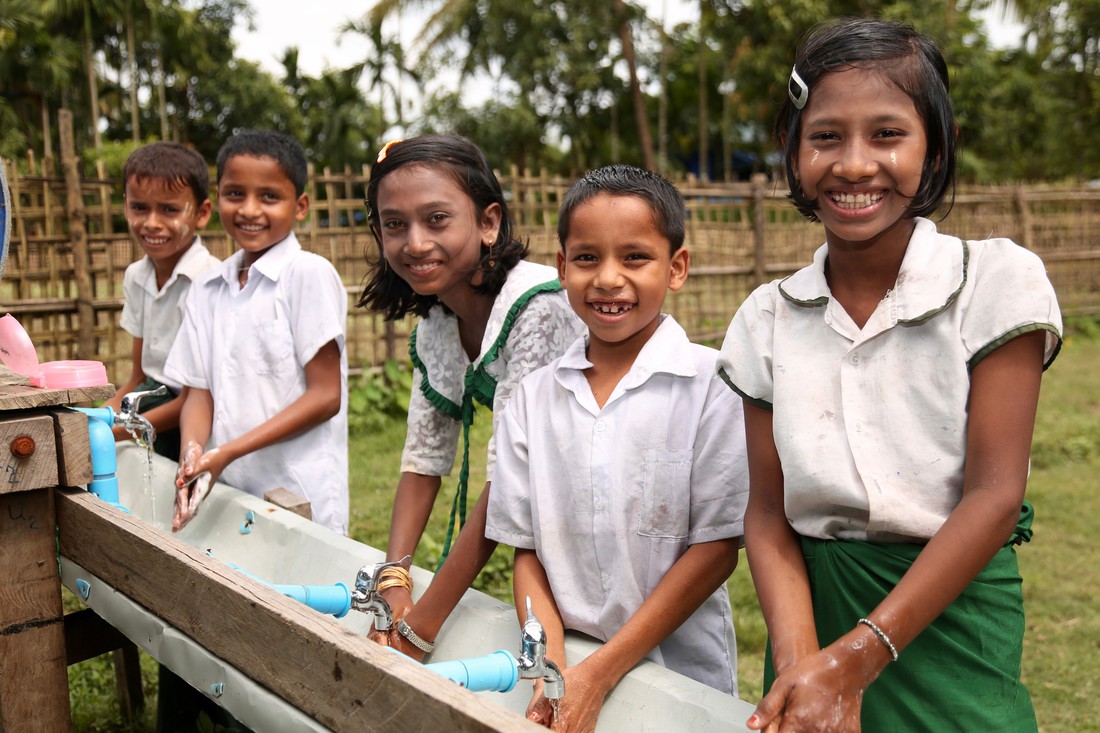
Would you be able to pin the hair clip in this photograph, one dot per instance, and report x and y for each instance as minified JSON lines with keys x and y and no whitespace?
{"x":797,"y":89}
{"x":385,"y":150}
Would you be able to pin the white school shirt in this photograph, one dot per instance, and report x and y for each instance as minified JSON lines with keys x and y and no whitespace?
{"x":154,"y":315}
{"x":533,"y":337}
{"x":870,"y":424}
{"x":611,"y":498}
{"x":249,"y":348}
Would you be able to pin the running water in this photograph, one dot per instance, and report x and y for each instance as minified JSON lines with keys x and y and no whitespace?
{"x":144,"y":437}
{"x":147,"y":484}
{"x":555,"y":707}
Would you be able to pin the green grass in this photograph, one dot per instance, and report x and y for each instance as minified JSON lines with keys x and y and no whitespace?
{"x":1060,"y":569}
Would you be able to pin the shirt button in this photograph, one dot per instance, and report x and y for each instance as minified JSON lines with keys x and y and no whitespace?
{"x":854,"y":359}
{"x":606,"y":582}
{"x":859,"y":427}
{"x":598,"y":505}
{"x":599,"y":426}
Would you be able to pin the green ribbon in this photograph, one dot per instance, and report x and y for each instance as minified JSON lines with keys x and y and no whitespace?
{"x":477,"y":384}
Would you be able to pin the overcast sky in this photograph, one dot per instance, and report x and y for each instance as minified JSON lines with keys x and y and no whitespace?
{"x":314,"y":28}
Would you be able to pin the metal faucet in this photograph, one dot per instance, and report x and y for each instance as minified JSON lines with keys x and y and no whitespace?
{"x":366,"y":597}
{"x":532,"y":660}
{"x":135,"y":423}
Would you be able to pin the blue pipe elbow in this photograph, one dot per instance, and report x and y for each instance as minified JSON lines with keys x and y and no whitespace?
{"x":496,"y":672}
{"x":101,"y":438}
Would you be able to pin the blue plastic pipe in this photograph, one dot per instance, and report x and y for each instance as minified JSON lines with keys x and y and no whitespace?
{"x":333,"y":599}
{"x":496,"y":672}
{"x":104,"y":482}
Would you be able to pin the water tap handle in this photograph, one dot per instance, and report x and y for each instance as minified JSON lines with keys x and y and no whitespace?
{"x":366,"y":596}
{"x":131,"y":401}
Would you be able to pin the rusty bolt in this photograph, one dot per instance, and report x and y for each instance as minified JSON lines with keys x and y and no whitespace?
{"x":23,"y":446}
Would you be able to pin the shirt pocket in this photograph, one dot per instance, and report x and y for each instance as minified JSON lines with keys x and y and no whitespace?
{"x":666,"y":494}
{"x":274,"y":348}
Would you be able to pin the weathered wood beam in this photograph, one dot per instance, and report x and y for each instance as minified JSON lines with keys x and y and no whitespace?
{"x":327,"y":671}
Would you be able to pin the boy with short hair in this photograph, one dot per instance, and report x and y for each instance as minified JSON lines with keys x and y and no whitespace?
{"x":261,"y":349}
{"x":166,"y":189}
{"x":621,"y":473}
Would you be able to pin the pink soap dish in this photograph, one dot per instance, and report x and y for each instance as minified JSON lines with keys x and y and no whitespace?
{"x":18,"y":354}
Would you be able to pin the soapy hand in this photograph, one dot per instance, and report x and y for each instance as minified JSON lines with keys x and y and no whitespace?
{"x":195,"y":477}
{"x":189,"y":497}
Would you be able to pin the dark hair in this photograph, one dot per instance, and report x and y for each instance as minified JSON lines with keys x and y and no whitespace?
{"x":177,"y":164}
{"x":908,"y":59}
{"x":663,"y":198}
{"x":462,"y":160}
{"x":282,"y":148}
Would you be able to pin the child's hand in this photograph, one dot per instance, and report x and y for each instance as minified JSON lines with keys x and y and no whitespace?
{"x":196,"y":475}
{"x":823,"y":691}
{"x":578,"y":710}
{"x":188,"y":499}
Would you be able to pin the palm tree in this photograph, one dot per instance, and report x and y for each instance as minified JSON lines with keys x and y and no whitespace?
{"x":385,"y":58}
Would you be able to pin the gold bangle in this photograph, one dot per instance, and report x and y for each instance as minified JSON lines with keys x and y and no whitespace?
{"x":396,"y":572}
{"x":393,"y":583}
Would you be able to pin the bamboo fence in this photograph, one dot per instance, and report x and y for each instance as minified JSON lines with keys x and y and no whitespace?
{"x":70,"y":246}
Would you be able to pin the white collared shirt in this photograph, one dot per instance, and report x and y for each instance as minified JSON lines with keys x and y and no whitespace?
{"x":154,"y":314}
{"x":611,"y":498}
{"x":870,"y":423}
{"x":249,"y":348}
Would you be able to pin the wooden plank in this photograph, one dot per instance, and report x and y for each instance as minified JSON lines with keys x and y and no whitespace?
{"x":331,"y":673}
{"x":28,"y":456}
{"x":34,"y":684}
{"x":290,"y":501}
{"x":87,"y":636}
{"x":16,"y":394}
{"x":74,"y":460}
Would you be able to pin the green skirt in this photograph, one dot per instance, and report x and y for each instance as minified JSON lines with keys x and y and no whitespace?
{"x":962,"y":673}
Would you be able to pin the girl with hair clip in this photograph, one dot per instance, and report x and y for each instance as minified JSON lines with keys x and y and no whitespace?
{"x":487,"y":318}
{"x":890,"y":391}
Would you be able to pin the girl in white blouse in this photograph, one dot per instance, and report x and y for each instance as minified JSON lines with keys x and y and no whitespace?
{"x":890,"y":391}
{"x":448,"y":254}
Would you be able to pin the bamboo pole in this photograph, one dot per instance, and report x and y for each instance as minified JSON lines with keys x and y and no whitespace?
{"x":759,"y":181}
{"x":78,"y":238}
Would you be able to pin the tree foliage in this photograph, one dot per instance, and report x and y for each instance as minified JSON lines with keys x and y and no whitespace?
{"x":539,"y":83}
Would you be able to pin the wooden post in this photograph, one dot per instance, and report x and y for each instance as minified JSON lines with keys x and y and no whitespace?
{"x":759,"y":181}
{"x":78,"y":238}
{"x":34,"y":683}
{"x":1024,"y":212}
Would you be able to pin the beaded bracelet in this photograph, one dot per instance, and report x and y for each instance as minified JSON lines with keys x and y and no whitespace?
{"x":881,"y":636}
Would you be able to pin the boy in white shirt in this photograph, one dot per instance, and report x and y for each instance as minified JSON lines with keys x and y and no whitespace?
{"x":166,"y":189}
{"x":261,"y":349}
{"x":621,"y":472}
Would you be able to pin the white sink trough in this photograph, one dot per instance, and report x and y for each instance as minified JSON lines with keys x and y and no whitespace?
{"x":280,"y":547}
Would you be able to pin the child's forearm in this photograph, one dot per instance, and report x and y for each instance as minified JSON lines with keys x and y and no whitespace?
{"x":467,"y":557}
{"x":773,"y":550}
{"x":1004,"y":395}
{"x":319,"y":402}
{"x":412,"y":505}
{"x":529,"y":581}
{"x":689,"y":582}
{"x":196,"y":416}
